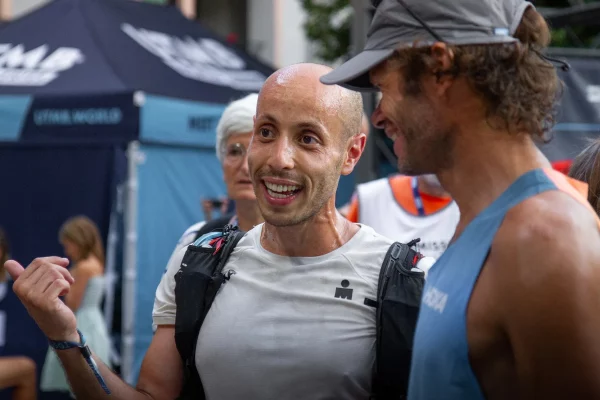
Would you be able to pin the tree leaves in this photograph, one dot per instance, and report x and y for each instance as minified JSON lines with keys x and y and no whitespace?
{"x":328,"y":25}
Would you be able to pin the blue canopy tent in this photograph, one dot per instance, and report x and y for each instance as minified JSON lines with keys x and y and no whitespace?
{"x":108,"y":108}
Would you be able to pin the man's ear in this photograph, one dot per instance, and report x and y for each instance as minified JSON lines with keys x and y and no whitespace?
{"x":355,"y":147}
{"x":443,"y":66}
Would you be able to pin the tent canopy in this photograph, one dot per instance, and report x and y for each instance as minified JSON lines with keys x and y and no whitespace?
{"x":115,"y":71}
{"x":93,"y":47}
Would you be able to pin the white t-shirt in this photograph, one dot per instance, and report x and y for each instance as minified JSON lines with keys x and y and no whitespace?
{"x":380,"y":210}
{"x":288,"y":327}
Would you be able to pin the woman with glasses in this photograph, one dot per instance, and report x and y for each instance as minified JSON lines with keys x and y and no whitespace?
{"x":234,"y":133}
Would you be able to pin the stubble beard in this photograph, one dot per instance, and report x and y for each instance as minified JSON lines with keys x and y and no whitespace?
{"x":428,"y":143}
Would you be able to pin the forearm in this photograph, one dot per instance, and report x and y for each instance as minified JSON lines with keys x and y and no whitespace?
{"x":85,"y":385}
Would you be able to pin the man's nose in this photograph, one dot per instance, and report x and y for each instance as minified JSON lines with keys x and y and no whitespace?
{"x":377,"y":117}
{"x":282,"y":154}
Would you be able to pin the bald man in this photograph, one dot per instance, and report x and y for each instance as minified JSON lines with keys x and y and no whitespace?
{"x":278,"y":329}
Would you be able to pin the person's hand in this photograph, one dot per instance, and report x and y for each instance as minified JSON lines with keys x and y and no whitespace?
{"x":225,"y":205}
{"x":207,"y":208}
{"x":39,"y":287}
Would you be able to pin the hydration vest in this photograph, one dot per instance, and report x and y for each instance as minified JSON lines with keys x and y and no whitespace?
{"x":397,"y":305}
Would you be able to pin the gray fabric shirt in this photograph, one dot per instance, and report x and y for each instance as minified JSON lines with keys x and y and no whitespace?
{"x":288,"y":328}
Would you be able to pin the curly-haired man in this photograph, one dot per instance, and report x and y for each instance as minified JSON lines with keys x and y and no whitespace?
{"x":510,"y":311}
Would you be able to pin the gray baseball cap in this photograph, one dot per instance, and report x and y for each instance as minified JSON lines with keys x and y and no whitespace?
{"x":420,"y":23}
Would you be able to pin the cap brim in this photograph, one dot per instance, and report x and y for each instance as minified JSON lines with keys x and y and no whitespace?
{"x":354,"y":73}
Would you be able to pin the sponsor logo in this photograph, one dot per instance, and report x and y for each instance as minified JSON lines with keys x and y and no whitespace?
{"x":435,"y":299}
{"x":203,"y":124}
{"x":204,"y":59}
{"x":86,"y":116}
{"x":35,"y":67}
{"x":433,"y":248}
{"x":344,"y":292}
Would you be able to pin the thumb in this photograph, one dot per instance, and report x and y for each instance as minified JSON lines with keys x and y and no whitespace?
{"x":14,"y":269}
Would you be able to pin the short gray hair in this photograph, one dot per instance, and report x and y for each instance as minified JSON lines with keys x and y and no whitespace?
{"x":237,"y":118}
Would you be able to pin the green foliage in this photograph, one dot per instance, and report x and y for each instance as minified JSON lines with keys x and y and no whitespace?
{"x":333,"y":41}
{"x":331,"y":36}
{"x":576,"y":36}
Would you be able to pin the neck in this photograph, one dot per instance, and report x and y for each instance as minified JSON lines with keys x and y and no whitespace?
{"x":430,"y":189}
{"x":248,"y":214}
{"x":485,"y":164}
{"x":319,"y":235}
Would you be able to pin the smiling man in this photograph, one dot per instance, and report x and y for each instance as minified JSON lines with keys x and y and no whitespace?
{"x":511,"y":309}
{"x":294,"y":320}
{"x":294,"y":311}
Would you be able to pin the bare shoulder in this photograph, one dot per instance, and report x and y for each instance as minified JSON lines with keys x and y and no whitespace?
{"x":550,"y":230}
{"x":89,"y":267}
{"x":548,"y":244}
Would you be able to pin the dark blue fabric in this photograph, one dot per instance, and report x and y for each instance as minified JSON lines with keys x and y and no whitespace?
{"x":101,"y":57}
{"x":42,"y":187}
{"x":101,"y":119}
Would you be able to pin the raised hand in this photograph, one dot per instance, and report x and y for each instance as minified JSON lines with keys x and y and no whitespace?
{"x":38,"y":287}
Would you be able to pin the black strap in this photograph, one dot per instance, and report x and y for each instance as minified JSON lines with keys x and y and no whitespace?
{"x":400,"y":259}
{"x":192,"y":385}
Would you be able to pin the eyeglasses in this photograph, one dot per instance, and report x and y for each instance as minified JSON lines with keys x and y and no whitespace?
{"x":564,"y":65}
{"x":234,"y":153}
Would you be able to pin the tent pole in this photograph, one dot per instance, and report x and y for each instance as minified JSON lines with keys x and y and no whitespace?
{"x":129,"y":264}
{"x":111,"y":255}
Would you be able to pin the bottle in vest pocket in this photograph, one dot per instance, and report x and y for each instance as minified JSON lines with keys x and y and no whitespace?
{"x":424,"y":265}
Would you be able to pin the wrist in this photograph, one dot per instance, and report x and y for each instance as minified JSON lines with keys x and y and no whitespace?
{"x":80,"y":344}
{"x":72,"y":337}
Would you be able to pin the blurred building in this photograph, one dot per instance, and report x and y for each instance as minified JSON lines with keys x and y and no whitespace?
{"x":271,"y":30}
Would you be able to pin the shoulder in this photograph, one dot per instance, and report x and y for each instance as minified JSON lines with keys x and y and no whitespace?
{"x":550,"y":218}
{"x":365,"y":252}
{"x":88,"y":267}
{"x":548,"y":242}
{"x":368,"y":236}
{"x":367,"y":248}
{"x":250,"y":241}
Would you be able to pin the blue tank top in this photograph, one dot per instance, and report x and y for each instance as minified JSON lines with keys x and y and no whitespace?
{"x":440,"y":366}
